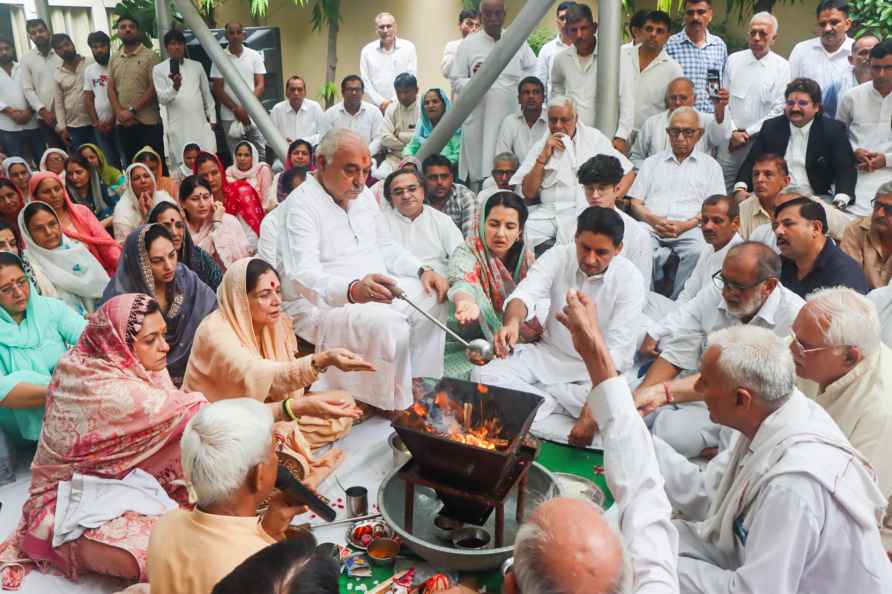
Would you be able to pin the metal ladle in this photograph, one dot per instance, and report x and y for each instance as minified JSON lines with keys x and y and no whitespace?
{"x":478,"y":351}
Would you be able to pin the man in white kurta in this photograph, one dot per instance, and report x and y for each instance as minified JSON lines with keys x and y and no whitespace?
{"x":756,"y":78}
{"x":652,"y":138}
{"x":382,"y":60}
{"x":338,"y":265}
{"x":520,"y":131}
{"x":825,"y":59}
{"x":545,"y":57}
{"x":844,"y":366}
{"x":187,"y":100}
{"x":867,"y":112}
{"x":791,"y":506}
{"x":650,"y":67}
{"x":354,"y":114}
{"x":551,"y":367}
{"x":468,"y":22}
{"x":548,"y":176}
{"x":882,"y":299}
{"x":297,"y":117}
{"x":481,"y":129}
{"x":427,"y":233}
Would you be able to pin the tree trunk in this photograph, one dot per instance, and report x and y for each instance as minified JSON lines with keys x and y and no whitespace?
{"x":331,"y":65}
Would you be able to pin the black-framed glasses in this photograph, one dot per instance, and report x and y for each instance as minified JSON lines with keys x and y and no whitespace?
{"x":883,"y":206}
{"x":686,"y":132}
{"x":722,"y":283}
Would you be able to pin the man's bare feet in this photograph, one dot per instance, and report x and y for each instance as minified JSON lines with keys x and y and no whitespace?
{"x":584,"y":429}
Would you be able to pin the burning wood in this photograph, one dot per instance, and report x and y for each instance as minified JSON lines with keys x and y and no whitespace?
{"x":458,"y":421}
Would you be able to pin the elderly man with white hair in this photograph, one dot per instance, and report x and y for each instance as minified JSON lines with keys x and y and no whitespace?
{"x":791,"y":506}
{"x":548,"y":175}
{"x":339,"y":267}
{"x":382,"y":60}
{"x":837,"y":348}
{"x":669,"y":191}
{"x":230,"y":464}
{"x":756,"y":78}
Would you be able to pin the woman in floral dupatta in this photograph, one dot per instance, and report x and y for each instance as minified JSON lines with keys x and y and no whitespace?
{"x":111,"y":408}
{"x":238,"y":197}
{"x":482,"y":274}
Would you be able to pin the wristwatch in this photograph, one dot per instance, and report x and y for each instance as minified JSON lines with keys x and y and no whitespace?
{"x":424,"y":269}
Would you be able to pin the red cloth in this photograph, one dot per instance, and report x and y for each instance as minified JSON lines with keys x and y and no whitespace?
{"x":240,"y":198}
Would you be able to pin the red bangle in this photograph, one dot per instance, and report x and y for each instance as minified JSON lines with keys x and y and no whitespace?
{"x":350,"y":290}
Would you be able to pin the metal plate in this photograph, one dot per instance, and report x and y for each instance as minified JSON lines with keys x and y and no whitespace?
{"x":577,"y":487}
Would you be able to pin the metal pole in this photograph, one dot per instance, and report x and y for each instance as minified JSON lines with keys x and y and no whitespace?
{"x":610,"y":23}
{"x":526,"y":21}
{"x":162,"y":23}
{"x":43,"y":11}
{"x":274,"y":138}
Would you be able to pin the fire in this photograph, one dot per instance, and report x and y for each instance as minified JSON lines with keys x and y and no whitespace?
{"x":454,"y":420}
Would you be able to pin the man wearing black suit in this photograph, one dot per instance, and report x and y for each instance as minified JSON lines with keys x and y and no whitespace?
{"x":815,"y":147}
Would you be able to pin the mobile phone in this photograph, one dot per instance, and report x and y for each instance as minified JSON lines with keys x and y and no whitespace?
{"x":174,"y":66}
{"x":297,"y":494}
{"x":713,"y":83}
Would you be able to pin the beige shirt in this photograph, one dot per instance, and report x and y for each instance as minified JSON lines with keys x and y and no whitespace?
{"x":69,"y":103}
{"x":190,"y":551}
{"x":38,"y":78}
{"x":131,"y":74}
{"x":753,"y":216}
{"x":865,"y":247}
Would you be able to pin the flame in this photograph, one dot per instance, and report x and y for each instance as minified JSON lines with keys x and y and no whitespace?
{"x":454,"y":421}
{"x":483,"y":389}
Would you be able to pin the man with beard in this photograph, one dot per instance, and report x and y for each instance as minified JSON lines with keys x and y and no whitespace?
{"x":39,"y":82}
{"x":520,"y":131}
{"x":96,"y":101}
{"x":747,"y":290}
{"x":869,"y":239}
{"x":443,"y":194}
{"x":18,"y":126}
{"x":825,"y":59}
{"x":810,"y":261}
{"x":72,"y":121}
{"x":132,"y":92}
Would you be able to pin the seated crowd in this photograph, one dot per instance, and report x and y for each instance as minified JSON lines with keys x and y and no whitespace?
{"x":704,"y":293}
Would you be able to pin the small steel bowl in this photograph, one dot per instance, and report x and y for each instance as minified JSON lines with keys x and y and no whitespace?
{"x":469,"y":537}
{"x":379,"y":529}
{"x":401,"y":453}
{"x":383,"y":551}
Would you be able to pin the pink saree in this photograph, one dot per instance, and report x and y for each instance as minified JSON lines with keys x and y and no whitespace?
{"x":105,"y":416}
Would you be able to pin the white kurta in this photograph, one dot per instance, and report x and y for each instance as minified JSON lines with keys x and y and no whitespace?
{"x":12,"y":95}
{"x":481,"y":129}
{"x":652,"y":136}
{"x":708,"y":264}
{"x":323,"y":249}
{"x":798,"y":473}
{"x":515,"y":136}
{"x":551,"y":367}
{"x":545,"y":60}
{"x":633,"y":476}
{"x":867,"y":114}
{"x":188,"y":109}
{"x":882,"y":298}
{"x":809,"y":59}
{"x":379,"y":68}
{"x":303,"y":124}
{"x":431,"y":237}
{"x":366,"y":122}
{"x":677,"y":190}
{"x":650,"y":84}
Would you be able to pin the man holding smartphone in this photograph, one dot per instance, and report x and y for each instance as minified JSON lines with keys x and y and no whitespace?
{"x":182,"y":88}
{"x":698,"y":51}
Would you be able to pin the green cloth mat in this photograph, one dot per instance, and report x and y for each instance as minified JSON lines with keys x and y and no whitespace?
{"x":553,"y":456}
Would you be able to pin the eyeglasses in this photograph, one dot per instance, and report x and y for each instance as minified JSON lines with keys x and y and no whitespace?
{"x":883,"y":206}
{"x":400,"y":192}
{"x":503,"y":172}
{"x":722,"y":283}
{"x":801,"y":351}
{"x":20,"y":286}
{"x":686,"y":132}
{"x":798,"y":102}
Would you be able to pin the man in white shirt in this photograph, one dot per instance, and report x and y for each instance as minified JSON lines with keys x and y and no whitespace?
{"x":481,"y":129}
{"x":548,"y":176}
{"x":18,"y":126}
{"x":791,"y":506}
{"x":669,"y":191}
{"x":837,"y":347}
{"x":651,"y":68}
{"x":72,"y":120}
{"x":747,"y":290}
{"x":600,"y":178}
{"x":400,"y":120}
{"x":756,"y":78}
{"x":297,"y":117}
{"x":551,"y":367}
{"x":520,"y":131}
{"x":96,"y":101}
{"x":187,"y":99}
{"x":825,"y":59}
{"x":859,"y":72}
{"x":504,"y":166}
{"x":382,"y":60}
{"x":355,"y":114}
{"x":643,"y":557}
{"x":337,"y":258}
{"x":574,"y":74}
{"x":39,"y":82}
{"x":251,"y":67}
{"x":561,"y":41}
{"x":425,"y":232}
{"x":652,"y":137}
{"x":468,"y":22}
{"x":882,"y":298}
{"x":866,"y":110}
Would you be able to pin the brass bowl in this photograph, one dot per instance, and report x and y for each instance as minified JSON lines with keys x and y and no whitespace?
{"x":383,"y":551}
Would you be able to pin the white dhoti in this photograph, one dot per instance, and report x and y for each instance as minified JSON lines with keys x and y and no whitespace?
{"x":399,"y":341}
{"x":525,"y":371}
{"x":686,"y":427}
